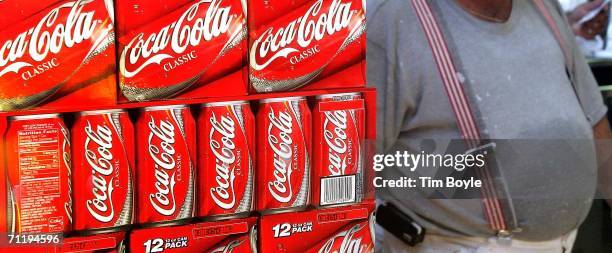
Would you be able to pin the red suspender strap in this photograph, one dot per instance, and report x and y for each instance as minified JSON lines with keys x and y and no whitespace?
{"x":545,"y":12}
{"x":567,"y":53}
{"x":463,"y":112}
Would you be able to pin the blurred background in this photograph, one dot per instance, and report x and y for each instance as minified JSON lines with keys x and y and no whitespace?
{"x":590,"y":21}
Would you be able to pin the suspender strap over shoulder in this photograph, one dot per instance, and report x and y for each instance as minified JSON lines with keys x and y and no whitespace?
{"x":463,"y":112}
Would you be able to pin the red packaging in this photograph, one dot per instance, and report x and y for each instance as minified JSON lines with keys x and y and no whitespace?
{"x":338,"y":133}
{"x":38,"y":163}
{"x":226,"y":150}
{"x":344,"y":229}
{"x":166,"y":159}
{"x":181,"y":49}
{"x":103,"y":149}
{"x":101,"y":243}
{"x":316,"y":44}
{"x":56,"y":54}
{"x":284,"y":148}
{"x":231,"y":236}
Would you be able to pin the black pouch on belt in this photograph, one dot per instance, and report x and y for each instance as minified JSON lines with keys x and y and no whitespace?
{"x":399,"y":224}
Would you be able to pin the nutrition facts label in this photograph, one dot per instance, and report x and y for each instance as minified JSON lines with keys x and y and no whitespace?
{"x":39,"y":166}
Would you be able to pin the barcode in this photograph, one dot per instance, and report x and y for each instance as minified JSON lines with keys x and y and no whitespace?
{"x":338,"y":190}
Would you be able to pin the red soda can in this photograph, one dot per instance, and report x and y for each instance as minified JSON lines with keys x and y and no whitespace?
{"x":103,"y":149}
{"x":226,"y":149}
{"x":338,"y":133}
{"x":39,"y":185}
{"x":166,"y":160}
{"x":283,"y":154}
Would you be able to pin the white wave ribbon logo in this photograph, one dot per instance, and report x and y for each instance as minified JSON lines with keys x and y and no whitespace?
{"x":49,"y":37}
{"x":223,"y":149}
{"x":335,"y":138}
{"x":228,"y":248}
{"x":303,"y":30}
{"x":178,"y":35}
{"x":349,"y":243}
{"x":163,"y":200}
{"x":100,"y":161}
{"x":281,"y":143}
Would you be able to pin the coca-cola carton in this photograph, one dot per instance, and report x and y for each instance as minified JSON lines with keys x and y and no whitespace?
{"x":342,"y":229}
{"x":56,"y":54}
{"x":339,"y":151}
{"x":306,"y":44}
{"x":181,"y":49}
{"x":237,"y":236}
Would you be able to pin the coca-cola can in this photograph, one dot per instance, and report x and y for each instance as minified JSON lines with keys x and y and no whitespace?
{"x":166,"y":172}
{"x":39,"y":166}
{"x":306,"y":44}
{"x":338,"y":133}
{"x":104,"y":160}
{"x":226,"y":159}
{"x":283,"y":154}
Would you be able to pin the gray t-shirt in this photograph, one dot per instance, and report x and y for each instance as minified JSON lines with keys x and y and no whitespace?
{"x":517,"y":79}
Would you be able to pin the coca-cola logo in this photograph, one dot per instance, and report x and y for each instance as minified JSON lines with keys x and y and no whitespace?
{"x":50,"y":35}
{"x":67,"y":158}
{"x":335,"y":136}
{"x":228,"y":248}
{"x":99,"y":157}
{"x":281,"y":143}
{"x":222,"y":145}
{"x":161,"y":150}
{"x":299,"y":34}
{"x":189,"y":30}
{"x":349,"y":243}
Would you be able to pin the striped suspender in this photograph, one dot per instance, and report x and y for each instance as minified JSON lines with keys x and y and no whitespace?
{"x":461,"y":108}
{"x":567,"y":53}
{"x":544,"y":11}
{"x":494,"y":212}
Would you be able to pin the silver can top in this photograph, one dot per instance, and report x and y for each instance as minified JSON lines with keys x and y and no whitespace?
{"x":281,"y":99}
{"x":36,"y":116}
{"x":164,"y":107}
{"x":97,"y":112}
{"x":224,"y":103}
{"x":340,"y":96}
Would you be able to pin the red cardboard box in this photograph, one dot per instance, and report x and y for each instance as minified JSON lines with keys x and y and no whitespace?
{"x":56,"y":54}
{"x":306,"y":45}
{"x":181,"y":49}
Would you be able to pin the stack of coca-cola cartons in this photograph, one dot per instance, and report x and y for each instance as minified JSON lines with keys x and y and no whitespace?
{"x":177,"y":160}
{"x":312,"y":151}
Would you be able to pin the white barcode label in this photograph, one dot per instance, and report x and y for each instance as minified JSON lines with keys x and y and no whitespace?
{"x":338,"y":190}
